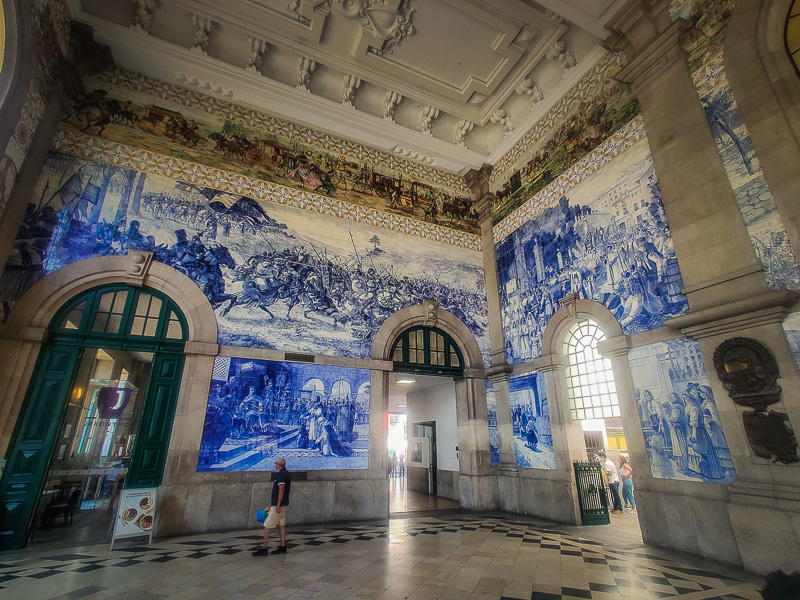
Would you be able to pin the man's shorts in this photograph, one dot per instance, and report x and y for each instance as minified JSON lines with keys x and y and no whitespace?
{"x":276,"y":518}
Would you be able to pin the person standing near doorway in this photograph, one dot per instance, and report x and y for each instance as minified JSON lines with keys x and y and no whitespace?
{"x":626,"y":475}
{"x":279,"y":506}
{"x":401,"y":465}
{"x":612,"y":476}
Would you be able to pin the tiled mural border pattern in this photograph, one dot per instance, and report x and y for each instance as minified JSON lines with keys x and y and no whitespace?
{"x":274,"y":125}
{"x":90,"y":147}
{"x":580,"y":92}
{"x":626,"y":137}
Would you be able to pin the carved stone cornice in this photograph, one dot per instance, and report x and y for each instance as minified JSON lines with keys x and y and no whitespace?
{"x":477,"y":180}
{"x":615,"y":347}
{"x":649,"y":39}
{"x":636,"y":25}
{"x":499,"y":373}
{"x":764,"y":309}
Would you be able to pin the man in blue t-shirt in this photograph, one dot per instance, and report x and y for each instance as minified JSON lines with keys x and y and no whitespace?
{"x":279,"y":506}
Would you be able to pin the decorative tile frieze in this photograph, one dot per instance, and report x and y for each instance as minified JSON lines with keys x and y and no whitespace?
{"x":582,"y":91}
{"x":626,"y":137}
{"x":94,"y":148}
{"x":270,"y":124}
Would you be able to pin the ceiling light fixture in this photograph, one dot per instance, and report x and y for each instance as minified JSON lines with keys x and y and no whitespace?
{"x":401,"y":406}
{"x":406,"y":381}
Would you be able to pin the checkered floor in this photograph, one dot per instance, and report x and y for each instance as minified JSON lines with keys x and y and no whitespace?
{"x":459,"y":556}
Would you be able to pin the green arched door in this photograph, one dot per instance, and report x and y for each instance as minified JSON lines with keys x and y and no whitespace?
{"x":109,"y":320}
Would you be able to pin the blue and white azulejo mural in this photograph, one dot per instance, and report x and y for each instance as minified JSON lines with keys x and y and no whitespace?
{"x":317,"y":417}
{"x":530,"y":415}
{"x":278,"y":277}
{"x":680,"y":421}
{"x":608,"y":241}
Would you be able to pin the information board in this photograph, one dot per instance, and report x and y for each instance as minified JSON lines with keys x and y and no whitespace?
{"x":135,"y":514}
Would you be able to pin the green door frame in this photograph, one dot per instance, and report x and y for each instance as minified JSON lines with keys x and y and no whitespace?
{"x":413,"y":352}
{"x":80,"y":324}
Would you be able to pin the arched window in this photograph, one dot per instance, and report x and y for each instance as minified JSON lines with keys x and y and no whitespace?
{"x":793,"y":34}
{"x":427,"y":350}
{"x":121,"y":315}
{"x":590,"y":379}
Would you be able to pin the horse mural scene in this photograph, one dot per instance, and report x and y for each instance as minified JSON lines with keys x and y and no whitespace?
{"x":276,"y":279}
{"x":317,"y":417}
{"x":120,"y":114}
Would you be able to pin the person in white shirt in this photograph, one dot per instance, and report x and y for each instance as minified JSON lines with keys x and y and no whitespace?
{"x":612,"y":476}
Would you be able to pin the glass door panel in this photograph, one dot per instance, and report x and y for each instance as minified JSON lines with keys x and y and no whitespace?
{"x":92,"y":451}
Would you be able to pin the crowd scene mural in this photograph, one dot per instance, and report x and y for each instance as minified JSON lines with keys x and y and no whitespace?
{"x":613,"y":247}
{"x":530,"y":416}
{"x":277,"y":277}
{"x":317,"y":417}
{"x":682,"y":430}
{"x":123,"y":115}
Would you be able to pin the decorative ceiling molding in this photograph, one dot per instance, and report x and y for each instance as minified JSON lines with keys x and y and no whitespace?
{"x":458,"y":61}
{"x":578,"y":86}
{"x":162,"y":59}
{"x":271,"y":124}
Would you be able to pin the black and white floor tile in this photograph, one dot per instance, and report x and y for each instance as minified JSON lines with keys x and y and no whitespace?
{"x":458,"y":556}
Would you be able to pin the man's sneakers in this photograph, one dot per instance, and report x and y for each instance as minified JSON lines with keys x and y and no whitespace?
{"x":279,"y":550}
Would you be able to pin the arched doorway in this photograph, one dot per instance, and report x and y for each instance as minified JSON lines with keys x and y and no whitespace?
{"x":434,"y":348}
{"x":112,"y":363}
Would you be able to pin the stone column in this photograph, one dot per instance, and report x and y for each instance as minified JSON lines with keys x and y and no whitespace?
{"x":553,"y":494}
{"x":477,"y":485}
{"x":478,"y":182}
{"x":751,"y":522}
{"x":716,"y":257}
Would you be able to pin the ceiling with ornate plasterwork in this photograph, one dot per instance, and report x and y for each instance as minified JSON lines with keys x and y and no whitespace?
{"x":449,"y":83}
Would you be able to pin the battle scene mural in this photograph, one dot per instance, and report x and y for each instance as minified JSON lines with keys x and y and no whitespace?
{"x":608,"y":242}
{"x":277,"y":277}
{"x":211,"y":132}
{"x":530,"y":415}
{"x":680,"y":421}
{"x":577,"y":134}
{"x":707,"y":26}
{"x":317,"y":417}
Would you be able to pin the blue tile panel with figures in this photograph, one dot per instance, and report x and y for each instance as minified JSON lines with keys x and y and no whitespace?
{"x":608,"y":242}
{"x":530,"y":416}
{"x":680,"y":422}
{"x":277,"y":277}
{"x":317,"y":417}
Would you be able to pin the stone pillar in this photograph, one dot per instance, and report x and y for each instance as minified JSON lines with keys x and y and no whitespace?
{"x":478,"y":182}
{"x":752,"y":521}
{"x":715,"y":254}
{"x":477,"y":485}
{"x":767,"y":92}
{"x":553,"y":494}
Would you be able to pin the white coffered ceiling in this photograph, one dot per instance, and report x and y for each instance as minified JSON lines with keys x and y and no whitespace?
{"x":452,"y":83}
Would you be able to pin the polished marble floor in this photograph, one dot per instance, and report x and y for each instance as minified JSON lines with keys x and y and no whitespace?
{"x":403,"y":500}
{"x":446,"y":555}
